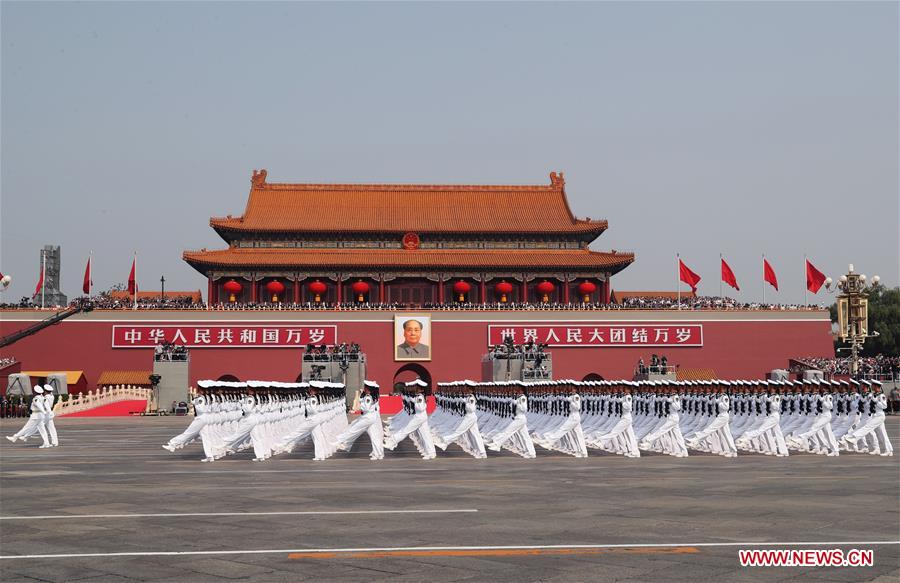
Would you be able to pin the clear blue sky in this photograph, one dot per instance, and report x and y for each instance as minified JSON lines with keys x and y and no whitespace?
{"x":697,"y":128}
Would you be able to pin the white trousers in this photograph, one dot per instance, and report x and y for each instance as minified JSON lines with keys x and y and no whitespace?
{"x":35,"y":425}
{"x":51,"y":430}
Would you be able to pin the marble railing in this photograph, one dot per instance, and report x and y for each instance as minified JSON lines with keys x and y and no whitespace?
{"x":103,"y":396}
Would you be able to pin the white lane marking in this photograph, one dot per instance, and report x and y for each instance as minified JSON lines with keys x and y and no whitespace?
{"x":285,"y":513}
{"x":460,"y":548}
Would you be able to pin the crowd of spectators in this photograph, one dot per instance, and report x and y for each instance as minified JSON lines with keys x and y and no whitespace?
{"x":167,"y":351}
{"x":532,"y":353}
{"x":878,"y":367}
{"x":306,"y":306}
{"x":7,"y":360}
{"x":348,"y":351}
{"x":13,"y":406}
{"x":24,"y":304}
{"x":659,"y":364}
{"x":509,"y":349}
{"x":705,"y":303}
{"x":105,"y":302}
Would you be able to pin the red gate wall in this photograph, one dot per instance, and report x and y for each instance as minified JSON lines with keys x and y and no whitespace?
{"x":737,"y":347}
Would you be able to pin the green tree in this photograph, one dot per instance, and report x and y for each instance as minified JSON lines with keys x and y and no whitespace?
{"x":884,"y":318}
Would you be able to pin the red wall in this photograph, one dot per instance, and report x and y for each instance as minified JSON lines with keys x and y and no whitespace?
{"x":735,"y":349}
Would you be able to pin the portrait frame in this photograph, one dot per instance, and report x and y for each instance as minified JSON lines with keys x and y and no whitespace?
{"x":401,"y":352}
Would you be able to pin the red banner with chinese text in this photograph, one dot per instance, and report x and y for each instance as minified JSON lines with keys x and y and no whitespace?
{"x":599,"y":335}
{"x":232,"y":335}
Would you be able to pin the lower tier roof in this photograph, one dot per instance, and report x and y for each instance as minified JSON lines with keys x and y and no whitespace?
{"x":463,"y":259}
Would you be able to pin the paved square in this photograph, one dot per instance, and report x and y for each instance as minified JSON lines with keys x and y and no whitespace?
{"x":120,"y":508}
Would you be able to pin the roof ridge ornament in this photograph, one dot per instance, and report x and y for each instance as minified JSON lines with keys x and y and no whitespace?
{"x":258,"y":180}
{"x":557,"y":179}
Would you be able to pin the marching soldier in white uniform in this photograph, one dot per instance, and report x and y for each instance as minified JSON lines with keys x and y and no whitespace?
{"x":48,"y":419}
{"x":35,"y":421}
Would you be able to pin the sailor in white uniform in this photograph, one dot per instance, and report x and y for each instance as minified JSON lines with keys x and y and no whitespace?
{"x":417,"y":429}
{"x":368,"y":422}
{"x":35,"y":422}
{"x":48,"y":419}
{"x":193,"y":430}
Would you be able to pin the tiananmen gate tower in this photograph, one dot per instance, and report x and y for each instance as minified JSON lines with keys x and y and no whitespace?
{"x":407,"y":244}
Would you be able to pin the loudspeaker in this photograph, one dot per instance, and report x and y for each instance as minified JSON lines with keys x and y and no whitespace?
{"x":59,"y":382}
{"x":811,"y":375}
{"x":779,"y":374}
{"x":18,"y":384}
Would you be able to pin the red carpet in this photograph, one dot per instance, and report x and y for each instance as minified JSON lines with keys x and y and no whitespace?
{"x":120,"y":409}
{"x":391,"y":404}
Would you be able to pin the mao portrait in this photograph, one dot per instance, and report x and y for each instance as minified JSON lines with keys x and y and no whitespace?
{"x":412,"y":337}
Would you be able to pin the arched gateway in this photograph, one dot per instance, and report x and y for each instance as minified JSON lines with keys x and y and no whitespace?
{"x":410,"y":372}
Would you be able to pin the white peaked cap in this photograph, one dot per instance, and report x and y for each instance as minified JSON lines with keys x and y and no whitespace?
{"x":371,"y":384}
{"x":38,"y":389}
{"x":48,"y":388}
{"x":209,"y":384}
{"x":325,"y":385}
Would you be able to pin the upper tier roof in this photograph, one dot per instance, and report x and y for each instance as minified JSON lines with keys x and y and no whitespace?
{"x":402,"y":208}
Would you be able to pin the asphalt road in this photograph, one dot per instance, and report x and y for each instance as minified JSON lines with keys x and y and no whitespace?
{"x":111,"y":505}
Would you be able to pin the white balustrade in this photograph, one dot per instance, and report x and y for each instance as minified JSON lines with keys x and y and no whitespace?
{"x":104,"y":396}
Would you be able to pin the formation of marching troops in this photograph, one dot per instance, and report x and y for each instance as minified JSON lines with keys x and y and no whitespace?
{"x":572,"y":417}
{"x":41,"y":419}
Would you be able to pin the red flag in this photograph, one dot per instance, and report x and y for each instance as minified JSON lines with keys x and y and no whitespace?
{"x":728,"y":276}
{"x":86,"y":286}
{"x":814,"y":278}
{"x":132,"y":284}
{"x":688,"y":276}
{"x":769,"y":274}
{"x":40,"y":284}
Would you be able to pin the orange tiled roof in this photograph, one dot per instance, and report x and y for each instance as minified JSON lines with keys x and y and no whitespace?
{"x":401,"y":208}
{"x":142,"y":294}
{"x":696,"y":374}
{"x":124,"y":377}
{"x":421,"y":258}
{"x":619,"y":296}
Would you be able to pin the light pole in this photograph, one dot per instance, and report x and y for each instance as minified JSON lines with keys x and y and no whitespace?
{"x":154,"y":383}
{"x":853,"y":313}
{"x":162,"y":288}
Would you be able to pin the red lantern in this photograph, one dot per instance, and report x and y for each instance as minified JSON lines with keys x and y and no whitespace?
{"x":318,"y":288}
{"x":545,"y":288}
{"x":586,"y":288}
{"x":233,"y":288}
{"x":461,"y":288}
{"x":275,"y":287}
{"x":360,"y":288}
{"x":503,"y":288}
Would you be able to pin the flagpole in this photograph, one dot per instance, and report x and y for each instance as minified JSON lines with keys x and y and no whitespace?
{"x":91,"y":273}
{"x":43,"y":275}
{"x":764,"y":278}
{"x":677,"y":274}
{"x":720,"y":276}
{"x":806,"y":288}
{"x":135,"y":281}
